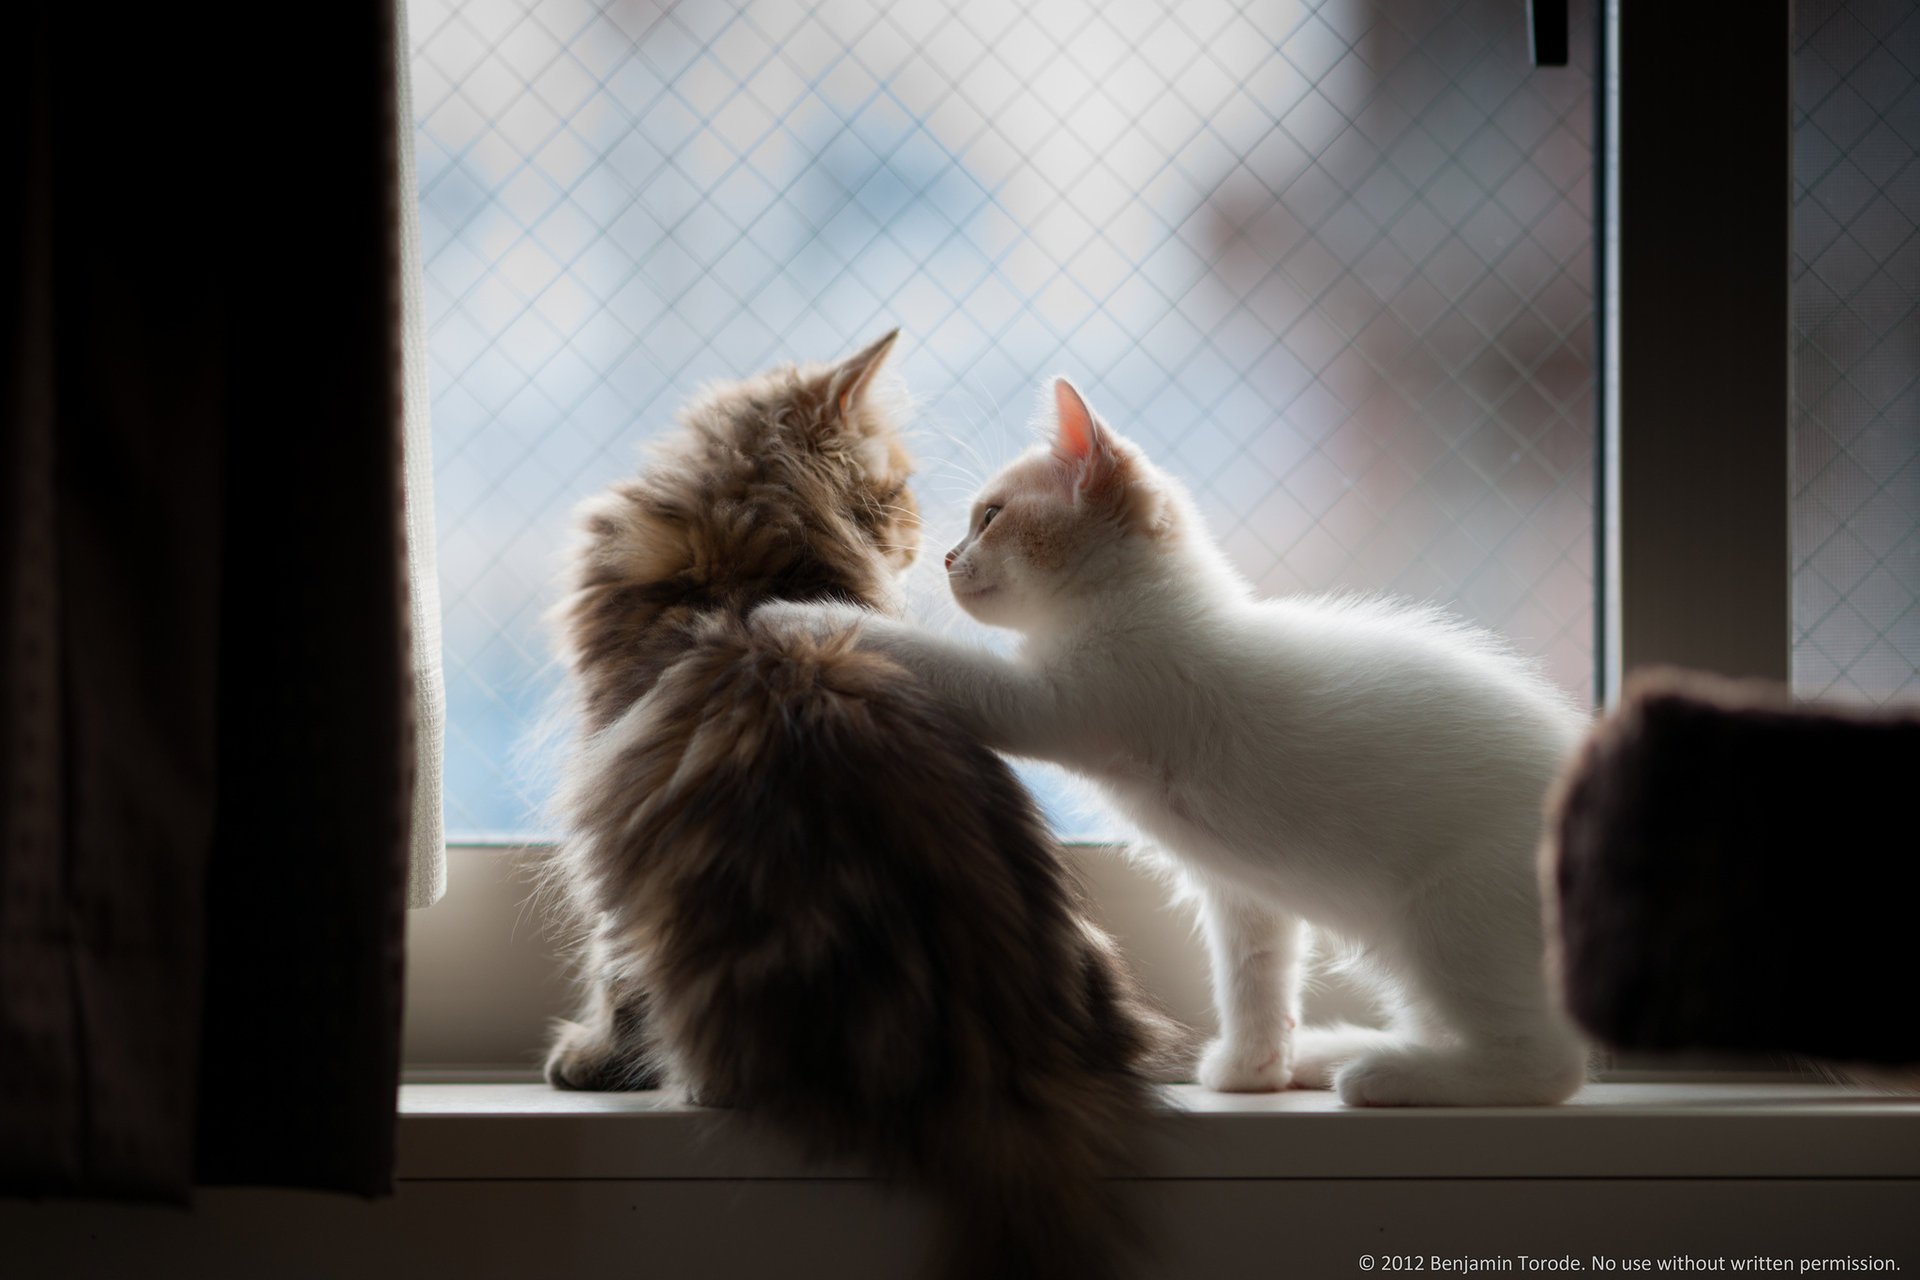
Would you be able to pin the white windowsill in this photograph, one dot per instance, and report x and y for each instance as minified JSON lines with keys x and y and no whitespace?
{"x":1641,"y":1130}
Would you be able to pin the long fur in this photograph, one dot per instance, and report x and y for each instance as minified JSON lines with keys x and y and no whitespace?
{"x":809,"y":893}
{"x":1375,"y":770}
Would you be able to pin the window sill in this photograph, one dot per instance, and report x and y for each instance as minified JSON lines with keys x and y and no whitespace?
{"x":1616,"y":1130}
{"x":505,"y":1181}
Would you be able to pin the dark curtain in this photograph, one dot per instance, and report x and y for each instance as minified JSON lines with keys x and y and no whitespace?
{"x":206,"y":767}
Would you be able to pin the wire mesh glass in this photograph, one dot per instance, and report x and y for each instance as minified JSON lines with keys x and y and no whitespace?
{"x":1856,"y":352}
{"x":1329,"y":262}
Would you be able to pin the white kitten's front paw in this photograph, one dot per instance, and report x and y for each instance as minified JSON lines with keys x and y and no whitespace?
{"x":1227,"y":1067}
{"x":819,"y":619}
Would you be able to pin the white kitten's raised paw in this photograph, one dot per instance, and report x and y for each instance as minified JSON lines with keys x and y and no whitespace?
{"x":1235,"y":1068}
{"x":809,"y":617}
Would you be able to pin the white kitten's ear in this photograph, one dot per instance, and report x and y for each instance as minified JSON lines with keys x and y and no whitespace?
{"x":1082,"y":441}
{"x":852,"y":377}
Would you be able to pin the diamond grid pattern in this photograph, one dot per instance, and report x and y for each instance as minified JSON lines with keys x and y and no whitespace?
{"x":1329,"y":262}
{"x":1856,"y":359}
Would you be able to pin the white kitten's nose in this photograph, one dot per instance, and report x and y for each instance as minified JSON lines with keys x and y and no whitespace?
{"x":952,"y":556}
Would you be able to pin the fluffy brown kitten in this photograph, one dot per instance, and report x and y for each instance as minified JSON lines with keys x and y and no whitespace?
{"x":807,"y":892}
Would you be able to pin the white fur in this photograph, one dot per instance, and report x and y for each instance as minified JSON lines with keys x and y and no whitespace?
{"x":1374,"y":769}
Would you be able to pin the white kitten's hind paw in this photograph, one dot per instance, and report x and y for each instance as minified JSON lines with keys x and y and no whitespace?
{"x":1420,"y":1076}
{"x":1402,"y":1077}
{"x":1234,"y":1068}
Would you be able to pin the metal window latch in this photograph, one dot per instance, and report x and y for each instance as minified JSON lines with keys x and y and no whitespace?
{"x":1547,"y":32}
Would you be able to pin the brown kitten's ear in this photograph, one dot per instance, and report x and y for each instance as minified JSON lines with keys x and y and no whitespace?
{"x":852,"y":376}
{"x":1083,"y":441}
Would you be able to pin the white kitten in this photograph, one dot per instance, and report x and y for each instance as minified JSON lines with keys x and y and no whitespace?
{"x":1374,"y":769}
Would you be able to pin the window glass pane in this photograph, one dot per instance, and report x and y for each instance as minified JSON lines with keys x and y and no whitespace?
{"x":1856,"y":350}
{"x":1330,"y":262}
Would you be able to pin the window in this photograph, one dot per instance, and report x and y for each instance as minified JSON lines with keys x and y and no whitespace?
{"x":1329,"y":262}
{"x":1856,"y":333}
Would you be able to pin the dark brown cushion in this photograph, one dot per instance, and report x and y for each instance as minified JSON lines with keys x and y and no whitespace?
{"x":1735,"y":872}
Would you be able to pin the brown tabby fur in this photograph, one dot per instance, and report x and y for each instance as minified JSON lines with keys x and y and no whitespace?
{"x":807,"y":893}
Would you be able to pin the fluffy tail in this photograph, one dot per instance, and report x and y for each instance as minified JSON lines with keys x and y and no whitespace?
{"x":1173,"y":1048}
{"x":1032,"y":1190}
{"x":1881,"y":1079}
{"x":1034,"y":1184}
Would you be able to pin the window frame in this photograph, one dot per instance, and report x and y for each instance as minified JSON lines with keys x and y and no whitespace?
{"x":1696,"y":341}
{"x":1671,"y":588}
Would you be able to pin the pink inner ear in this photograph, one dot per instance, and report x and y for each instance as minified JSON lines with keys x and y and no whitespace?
{"x":1076,"y":423}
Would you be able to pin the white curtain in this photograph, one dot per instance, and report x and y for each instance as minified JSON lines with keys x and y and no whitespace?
{"x":427,"y":870}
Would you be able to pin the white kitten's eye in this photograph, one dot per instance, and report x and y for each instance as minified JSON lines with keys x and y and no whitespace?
{"x":986,"y":517}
